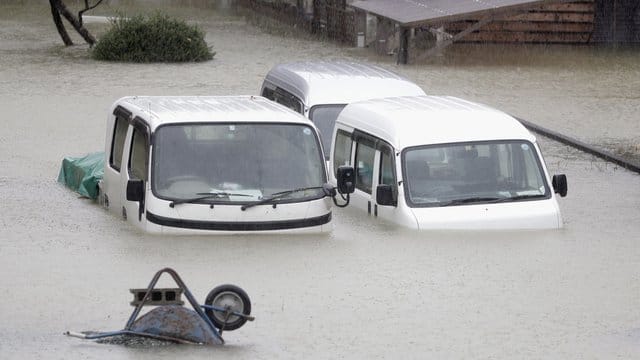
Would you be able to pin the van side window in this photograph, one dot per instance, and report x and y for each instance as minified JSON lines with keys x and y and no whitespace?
{"x":287,"y":99}
{"x":364,"y":167}
{"x":342,"y":152}
{"x":138,"y":163}
{"x":117,"y":142}
{"x":324,"y":116}
{"x":268,"y":93}
{"x":387,"y":171}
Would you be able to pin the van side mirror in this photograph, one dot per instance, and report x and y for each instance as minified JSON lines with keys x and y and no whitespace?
{"x":345,"y":179}
{"x":135,"y":190}
{"x":384,"y":195}
{"x":559,"y":183}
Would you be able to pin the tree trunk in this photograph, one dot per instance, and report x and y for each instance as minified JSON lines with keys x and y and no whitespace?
{"x":59,"y":25}
{"x":62,"y":9}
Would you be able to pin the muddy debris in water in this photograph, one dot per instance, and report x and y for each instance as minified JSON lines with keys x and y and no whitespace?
{"x":133,"y":341}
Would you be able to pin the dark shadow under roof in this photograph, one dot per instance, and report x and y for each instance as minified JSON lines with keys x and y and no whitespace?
{"x":424,"y":12}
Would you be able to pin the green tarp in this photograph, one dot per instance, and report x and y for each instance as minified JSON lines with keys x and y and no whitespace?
{"x":83,"y":174}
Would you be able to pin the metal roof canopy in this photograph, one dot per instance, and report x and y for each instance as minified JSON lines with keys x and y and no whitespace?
{"x":414,"y":13}
{"x":410,"y":13}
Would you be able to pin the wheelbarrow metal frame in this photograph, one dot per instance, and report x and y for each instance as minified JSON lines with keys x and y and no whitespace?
{"x":127,"y":329}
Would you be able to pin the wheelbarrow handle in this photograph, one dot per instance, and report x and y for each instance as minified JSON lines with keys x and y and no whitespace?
{"x":76,"y":334}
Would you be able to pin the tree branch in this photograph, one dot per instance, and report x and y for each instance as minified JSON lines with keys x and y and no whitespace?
{"x":86,"y":8}
{"x":62,"y":9}
{"x":59,"y":25}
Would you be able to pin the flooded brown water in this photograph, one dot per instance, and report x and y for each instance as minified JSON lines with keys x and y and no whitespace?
{"x":368,"y":290}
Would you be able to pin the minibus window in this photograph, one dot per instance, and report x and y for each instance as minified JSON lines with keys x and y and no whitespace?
{"x":324,"y":116}
{"x":342,"y":152}
{"x":287,"y":99}
{"x":117,"y":144}
{"x":268,"y":93}
{"x":139,"y":155}
{"x":240,"y":162}
{"x":483,"y":172}
{"x":387,"y":173}
{"x":364,"y":167}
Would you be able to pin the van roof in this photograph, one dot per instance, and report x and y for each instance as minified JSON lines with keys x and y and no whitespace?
{"x":419,"y":120}
{"x":339,"y":82}
{"x":157,"y":110}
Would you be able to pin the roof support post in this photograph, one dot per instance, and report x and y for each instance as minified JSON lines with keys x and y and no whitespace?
{"x":403,"y":50}
{"x":384,"y":31}
{"x":361,"y":28}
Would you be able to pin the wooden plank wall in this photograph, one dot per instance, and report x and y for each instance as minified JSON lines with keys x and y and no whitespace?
{"x":565,"y":23}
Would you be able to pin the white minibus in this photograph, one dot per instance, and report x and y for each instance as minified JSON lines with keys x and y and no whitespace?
{"x":437,"y":162}
{"x":319,"y":90}
{"x":214,"y":165}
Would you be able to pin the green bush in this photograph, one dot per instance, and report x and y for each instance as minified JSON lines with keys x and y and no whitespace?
{"x":156,"y":38}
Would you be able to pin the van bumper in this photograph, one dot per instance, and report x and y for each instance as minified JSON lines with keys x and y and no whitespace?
{"x":238,"y":226}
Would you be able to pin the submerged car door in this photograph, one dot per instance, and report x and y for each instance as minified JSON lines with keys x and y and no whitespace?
{"x":365,"y":158}
{"x":138,"y":169}
{"x":376,"y":176}
{"x":116,"y":141}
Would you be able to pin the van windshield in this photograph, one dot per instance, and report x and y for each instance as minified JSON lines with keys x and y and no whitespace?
{"x":240,"y":163}
{"x":471,"y":173}
{"x":324,"y":116}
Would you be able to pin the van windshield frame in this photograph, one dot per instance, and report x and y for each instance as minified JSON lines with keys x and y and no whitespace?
{"x":246,"y":162}
{"x":466,"y":173}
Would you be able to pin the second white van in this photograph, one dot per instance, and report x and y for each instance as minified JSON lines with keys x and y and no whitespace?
{"x":432,"y":162}
{"x":319,"y":90}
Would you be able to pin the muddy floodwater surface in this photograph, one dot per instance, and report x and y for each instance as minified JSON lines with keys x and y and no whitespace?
{"x":367,"y":290}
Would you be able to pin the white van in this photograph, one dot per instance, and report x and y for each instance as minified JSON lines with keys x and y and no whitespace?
{"x":319,"y":90}
{"x":434,"y":162}
{"x":227,"y":164}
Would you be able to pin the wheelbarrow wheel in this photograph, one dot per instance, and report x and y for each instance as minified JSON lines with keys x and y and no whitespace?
{"x":228,"y":297}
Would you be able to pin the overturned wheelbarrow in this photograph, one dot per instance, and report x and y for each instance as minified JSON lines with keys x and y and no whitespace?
{"x":226,"y":308}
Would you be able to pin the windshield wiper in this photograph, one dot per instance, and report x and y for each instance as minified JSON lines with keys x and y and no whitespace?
{"x":520,"y":197}
{"x":207,"y":195}
{"x":278,"y":195}
{"x":491,"y":200}
{"x":471,"y":200}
